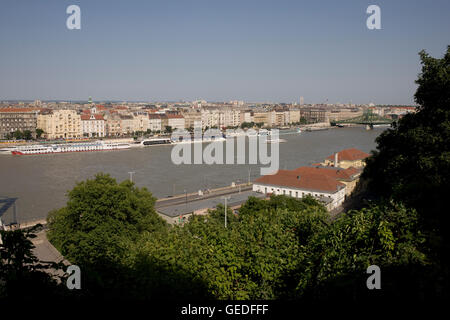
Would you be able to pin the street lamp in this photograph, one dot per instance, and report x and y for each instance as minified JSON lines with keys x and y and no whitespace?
{"x":131,"y":175}
{"x":226,"y":198}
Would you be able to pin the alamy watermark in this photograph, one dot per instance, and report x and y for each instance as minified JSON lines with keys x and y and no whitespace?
{"x":374,"y":20}
{"x":74,"y":20}
{"x":374,"y":281}
{"x":74,"y":279}
{"x":218,"y":147}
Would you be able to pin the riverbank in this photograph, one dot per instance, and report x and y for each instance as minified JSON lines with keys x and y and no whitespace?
{"x":40,"y":183}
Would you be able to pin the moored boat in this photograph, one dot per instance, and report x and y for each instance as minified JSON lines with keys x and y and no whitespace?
{"x":68,"y":147}
{"x":155,"y":141}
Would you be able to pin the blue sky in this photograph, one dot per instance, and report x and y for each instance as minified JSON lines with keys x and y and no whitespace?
{"x":218,"y":50}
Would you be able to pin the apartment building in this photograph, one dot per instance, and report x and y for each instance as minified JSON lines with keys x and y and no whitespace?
{"x":192,"y":118}
{"x":60,"y":124}
{"x":246,"y":116}
{"x":154,"y":122}
{"x":175,"y":121}
{"x":344,"y":113}
{"x":113,"y":124}
{"x":93,"y":125}
{"x":263,"y":117}
{"x":127,"y":124}
{"x":313,"y":115}
{"x":294,"y":116}
{"x":210,"y":119}
{"x":141,"y":121}
{"x":13,"y":119}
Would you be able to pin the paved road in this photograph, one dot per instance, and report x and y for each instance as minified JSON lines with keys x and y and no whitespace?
{"x":46,"y":252}
{"x":180,"y":199}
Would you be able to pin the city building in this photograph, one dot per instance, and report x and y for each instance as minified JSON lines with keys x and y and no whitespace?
{"x":126,"y":124}
{"x":349,"y":176}
{"x":93,"y":125}
{"x":62,"y":123}
{"x":246,"y":116}
{"x":113,"y":124}
{"x":300,"y":183}
{"x":22,"y":119}
{"x":154,"y":122}
{"x":192,"y":118}
{"x":175,"y":121}
{"x":262,"y":117}
{"x":313,"y":115}
{"x":347,"y":158}
{"x":141,"y":121}
{"x":344,"y":114}
{"x":294,"y":116}
{"x":210,"y":119}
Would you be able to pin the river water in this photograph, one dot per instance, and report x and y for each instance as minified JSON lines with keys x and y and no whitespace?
{"x":40,"y":182}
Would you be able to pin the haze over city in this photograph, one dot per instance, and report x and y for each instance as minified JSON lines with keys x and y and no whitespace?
{"x":218,"y":51}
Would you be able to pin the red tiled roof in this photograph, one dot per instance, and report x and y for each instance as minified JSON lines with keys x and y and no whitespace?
{"x":154,"y":116}
{"x":350,"y":155}
{"x":307,"y":180}
{"x":175,"y":116}
{"x":20,"y":109}
{"x":88,"y":117}
{"x":332,"y":172}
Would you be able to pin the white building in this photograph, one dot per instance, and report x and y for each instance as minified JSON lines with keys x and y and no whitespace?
{"x":141,"y":121}
{"x":304,"y":181}
{"x":176,"y":121}
{"x":155,"y":122}
{"x":93,"y":125}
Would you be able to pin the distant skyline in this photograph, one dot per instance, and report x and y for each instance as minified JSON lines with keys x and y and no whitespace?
{"x":255,"y":50}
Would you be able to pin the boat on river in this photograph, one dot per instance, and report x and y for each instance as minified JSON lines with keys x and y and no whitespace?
{"x":68,"y":147}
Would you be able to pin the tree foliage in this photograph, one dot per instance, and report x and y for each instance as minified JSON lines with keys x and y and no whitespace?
{"x":101,"y":216}
{"x":22,"y":275}
{"x":277,"y":248}
{"x":412,"y":161}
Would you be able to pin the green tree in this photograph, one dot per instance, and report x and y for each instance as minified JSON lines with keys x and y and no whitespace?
{"x":22,"y":275}
{"x":99,"y":214}
{"x":94,"y":229}
{"x":412,"y":160}
{"x":18,"y":135}
{"x":27,"y":135}
{"x":39,"y":133}
{"x":339,"y":254}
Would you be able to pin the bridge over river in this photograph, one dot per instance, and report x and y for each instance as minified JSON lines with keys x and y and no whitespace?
{"x":368,"y":118}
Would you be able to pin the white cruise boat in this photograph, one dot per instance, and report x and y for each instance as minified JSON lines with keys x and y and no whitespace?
{"x":196,"y":140}
{"x":69,"y":147}
{"x":7,"y":150}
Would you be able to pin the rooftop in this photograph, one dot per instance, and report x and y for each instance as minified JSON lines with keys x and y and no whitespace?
{"x":351,"y":154}
{"x":332,"y":172}
{"x":313,"y":179}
